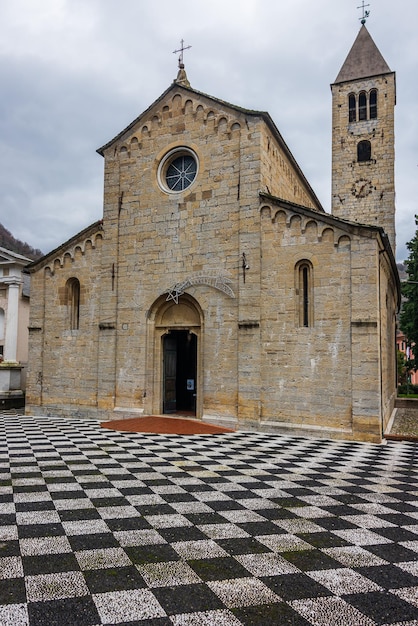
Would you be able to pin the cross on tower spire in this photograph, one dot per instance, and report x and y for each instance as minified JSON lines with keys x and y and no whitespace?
{"x":181,"y":50}
{"x":365,"y":13}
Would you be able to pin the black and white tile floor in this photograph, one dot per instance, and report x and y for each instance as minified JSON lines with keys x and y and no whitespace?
{"x":100,"y":527}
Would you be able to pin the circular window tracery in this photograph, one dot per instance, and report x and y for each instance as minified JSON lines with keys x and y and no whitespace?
{"x":178,"y":170}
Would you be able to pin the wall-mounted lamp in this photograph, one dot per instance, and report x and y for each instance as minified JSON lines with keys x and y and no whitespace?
{"x":245,"y":266}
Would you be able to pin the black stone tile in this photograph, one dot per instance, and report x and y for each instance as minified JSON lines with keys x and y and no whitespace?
{"x":30,"y":488}
{"x":68,"y":495}
{"x":198,"y":519}
{"x":396,"y":534}
{"x":128,"y":523}
{"x":114,"y":579}
{"x":295,"y":586}
{"x":349,"y":498}
{"x":225,"y":505}
{"x":135,"y":491}
{"x":155,"y":509}
{"x":68,"y":515}
{"x":12,"y":591}
{"x":400,"y":519}
{"x":154,"y":553}
{"x":259,"y":528}
{"x":245,"y":545}
{"x":222,"y":568}
{"x":402,"y":507}
{"x":20,"y":475}
{"x":93,"y":541}
{"x":341,"y":510}
{"x":116,"y":501}
{"x":49,"y":564}
{"x":392,"y":552}
{"x":334,"y":523}
{"x":383,"y":607}
{"x":289,"y":502}
{"x":69,"y":611}
{"x":46,"y":505}
{"x":179,"y":497}
{"x":308,"y":560}
{"x":182,"y":533}
{"x":187,"y":598}
{"x":9,"y":548}
{"x":323,"y":540}
{"x":269,"y":615}
{"x":197,"y":488}
{"x":389,"y":576}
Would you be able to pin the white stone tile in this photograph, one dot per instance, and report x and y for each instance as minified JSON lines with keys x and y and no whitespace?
{"x":85,"y":527}
{"x":343,"y":581}
{"x":266,"y":564}
{"x":207,"y":618}
{"x":223,"y":531}
{"x":167,"y":521}
{"x":243,"y":592}
{"x":127,"y":606}
{"x":140,"y":537}
{"x":37,"y":517}
{"x":168,"y":574}
{"x":325,"y":611}
{"x":201,"y":549}
{"x":31,"y":546}
{"x":102,"y":558}
{"x":11,"y":567}
{"x":46,"y":587}
{"x":14,"y":615}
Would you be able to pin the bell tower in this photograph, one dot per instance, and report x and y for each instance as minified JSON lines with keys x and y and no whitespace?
{"x":363,"y":138}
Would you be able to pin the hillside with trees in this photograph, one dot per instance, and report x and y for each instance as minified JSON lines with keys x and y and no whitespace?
{"x":15,"y":245}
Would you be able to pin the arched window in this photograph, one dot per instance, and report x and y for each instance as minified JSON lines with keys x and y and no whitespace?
{"x":352,"y":108}
{"x":373,"y":104}
{"x":362,"y":106}
{"x":304,"y":291}
{"x":364,"y":151}
{"x":73,"y":303}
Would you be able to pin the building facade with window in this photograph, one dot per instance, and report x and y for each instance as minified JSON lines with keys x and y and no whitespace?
{"x":217,"y":286}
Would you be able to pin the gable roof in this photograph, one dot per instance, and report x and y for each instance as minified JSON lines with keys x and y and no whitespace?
{"x":182,"y":86}
{"x":83,"y":234}
{"x":363,"y":60}
{"x":8,"y":257}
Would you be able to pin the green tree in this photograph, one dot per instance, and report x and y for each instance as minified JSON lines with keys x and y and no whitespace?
{"x":402,"y":369}
{"x":409,"y":313}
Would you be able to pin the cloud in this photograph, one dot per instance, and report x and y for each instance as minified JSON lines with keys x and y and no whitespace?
{"x":74,"y":73}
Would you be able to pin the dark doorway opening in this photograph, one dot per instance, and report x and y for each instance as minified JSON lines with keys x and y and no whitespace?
{"x":179,"y":363}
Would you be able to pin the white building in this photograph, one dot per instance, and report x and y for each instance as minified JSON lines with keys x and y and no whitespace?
{"x":14,"y":321}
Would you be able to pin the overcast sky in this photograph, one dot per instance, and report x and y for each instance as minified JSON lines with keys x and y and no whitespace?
{"x":73,"y":73}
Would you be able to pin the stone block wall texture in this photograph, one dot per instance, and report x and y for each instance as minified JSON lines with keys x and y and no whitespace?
{"x":256,"y":366}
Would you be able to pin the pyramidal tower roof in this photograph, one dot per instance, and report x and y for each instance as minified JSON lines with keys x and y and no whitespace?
{"x":363,"y":60}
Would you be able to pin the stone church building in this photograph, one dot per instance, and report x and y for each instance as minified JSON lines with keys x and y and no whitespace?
{"x":216,"y":285}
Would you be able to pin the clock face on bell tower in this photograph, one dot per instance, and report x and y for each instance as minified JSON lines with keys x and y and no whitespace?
{"x":362,"y":188}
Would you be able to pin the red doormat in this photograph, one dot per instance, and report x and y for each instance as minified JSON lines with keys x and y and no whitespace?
{"x":165,"y":425}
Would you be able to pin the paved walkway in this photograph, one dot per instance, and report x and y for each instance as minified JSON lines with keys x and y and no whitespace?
{"x":103,"y":527}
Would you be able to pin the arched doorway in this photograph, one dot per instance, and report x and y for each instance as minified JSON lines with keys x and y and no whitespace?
{"x":179,"y":372}
{"x":174,"y":372}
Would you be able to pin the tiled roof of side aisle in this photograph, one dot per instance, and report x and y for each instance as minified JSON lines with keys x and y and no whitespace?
{"x":103,"y":527}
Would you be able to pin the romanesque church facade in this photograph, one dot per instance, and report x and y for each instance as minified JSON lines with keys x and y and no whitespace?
{"x":216,"y":286}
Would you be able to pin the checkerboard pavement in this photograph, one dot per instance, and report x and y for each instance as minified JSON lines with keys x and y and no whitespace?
{"x":101,"y":527}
